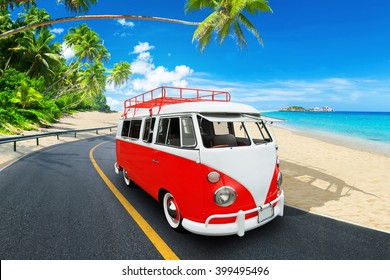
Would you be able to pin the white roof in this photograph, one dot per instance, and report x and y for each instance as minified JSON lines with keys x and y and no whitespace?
{"x":199,"y":107}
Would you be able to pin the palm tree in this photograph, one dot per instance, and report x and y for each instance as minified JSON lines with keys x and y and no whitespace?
{"x":120,"y":74}
{"x":78,"y":6}
{"x":94,"y":17}
{"x":15,"y":3}
{"x":92,"y":80}
{"x":26,"y":96}
{"x":87,"y":44}
{"x":6,"y":44}
{"x":35,"y":15}
{"x":40,"y":56}
{"x":227,"y":15}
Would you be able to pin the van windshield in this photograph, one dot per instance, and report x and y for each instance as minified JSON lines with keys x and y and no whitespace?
{"x":232,"y":131}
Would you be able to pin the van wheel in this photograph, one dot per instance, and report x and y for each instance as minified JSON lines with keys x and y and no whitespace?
{"x":172,"y":212}
{"x":126,"y":178}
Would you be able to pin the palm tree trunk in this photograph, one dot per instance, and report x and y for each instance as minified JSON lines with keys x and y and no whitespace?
{"x":61,"y":78}
{"x":91,"y":17}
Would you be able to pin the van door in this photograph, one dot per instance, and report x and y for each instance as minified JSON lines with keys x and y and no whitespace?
{"x":176,"y":160}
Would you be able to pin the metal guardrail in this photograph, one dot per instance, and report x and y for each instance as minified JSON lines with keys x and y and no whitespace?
{"x":15,"y":139}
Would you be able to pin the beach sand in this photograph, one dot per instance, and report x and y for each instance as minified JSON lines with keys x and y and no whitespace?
{"x":323,"y":178}
{"x":335,"y":180}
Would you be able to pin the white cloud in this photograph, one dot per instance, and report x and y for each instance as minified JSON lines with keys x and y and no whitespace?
{"x":143,"y":64}
{"x":147,"y":76}
{"x":125,"y":23}
{"x":57,"y":30}
{"x":157,"y":76}
{"x":114,"y":104}
{"x":142,"y":47}
{"x":67,"y":52}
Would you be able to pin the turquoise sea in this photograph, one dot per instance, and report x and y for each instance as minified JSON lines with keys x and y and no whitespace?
{"x":369,"y":130}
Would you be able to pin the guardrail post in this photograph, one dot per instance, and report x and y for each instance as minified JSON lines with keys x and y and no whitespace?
{"x":14,"y":146}
{"x":58,"y":137}
{"x":37,"y":141}
{"x":75,"y":135}
{"x":97,"y":131}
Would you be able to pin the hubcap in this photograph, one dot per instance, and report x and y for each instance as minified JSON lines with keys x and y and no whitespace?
{"x":173,"y":210}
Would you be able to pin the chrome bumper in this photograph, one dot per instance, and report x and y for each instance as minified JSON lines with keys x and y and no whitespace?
{"x":241,"y":224}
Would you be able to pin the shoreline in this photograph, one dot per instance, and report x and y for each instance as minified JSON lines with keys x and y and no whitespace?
{"x":328,"y":178}
{"x":380,"y":148}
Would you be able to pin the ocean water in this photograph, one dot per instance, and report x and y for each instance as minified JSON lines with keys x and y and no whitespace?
{"x":368,"y":130}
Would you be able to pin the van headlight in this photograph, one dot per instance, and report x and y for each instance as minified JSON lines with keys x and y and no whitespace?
{"x":225,"y":196}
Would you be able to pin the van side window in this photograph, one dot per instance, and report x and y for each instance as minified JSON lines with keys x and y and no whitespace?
{"x":173,"y":138}
{"x":125,"y":129}
{"x":148,"y":130}
{"x":162,"y":131}
{"x":187,"y":132}
{"x":169,"y":132}
{"x":135,"y":129}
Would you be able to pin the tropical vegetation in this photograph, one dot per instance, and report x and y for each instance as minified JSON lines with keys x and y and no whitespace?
{"x":37,"y":84}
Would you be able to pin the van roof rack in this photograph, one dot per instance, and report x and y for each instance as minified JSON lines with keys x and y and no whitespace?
{"x":159,"y":97}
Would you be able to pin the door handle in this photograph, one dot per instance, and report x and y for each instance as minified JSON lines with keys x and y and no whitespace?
{"x":156,"y":161}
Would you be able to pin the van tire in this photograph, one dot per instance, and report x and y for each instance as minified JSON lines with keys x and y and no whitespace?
{"x":172,"y":212}
{"x":126,"y":178}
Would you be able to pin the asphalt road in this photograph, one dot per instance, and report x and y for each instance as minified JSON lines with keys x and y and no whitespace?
{"x":54,"y":205}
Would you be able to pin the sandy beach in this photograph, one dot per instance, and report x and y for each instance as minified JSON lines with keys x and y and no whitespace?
{"x":335,"y":180}
{"x":323,"y":178}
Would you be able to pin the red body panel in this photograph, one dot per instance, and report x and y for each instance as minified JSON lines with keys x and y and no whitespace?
{"x":186,"y":179}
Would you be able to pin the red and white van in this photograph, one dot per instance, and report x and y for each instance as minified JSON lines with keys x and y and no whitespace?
{"x":210,"y":162}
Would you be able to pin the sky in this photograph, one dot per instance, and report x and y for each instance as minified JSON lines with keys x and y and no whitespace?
{"x":332,"y":53}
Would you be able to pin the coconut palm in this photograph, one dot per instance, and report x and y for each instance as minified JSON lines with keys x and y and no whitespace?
{"x":87,"y":44}
{"x":9,"y":43}
{"x":120,"y":74}
{"x":26,"y":96}
{"x":35,"y":15}
{"x":15,"y":3}
{"x":227,"y":15}
{"x":92,"y":80}
{"x":78,"y":6}
{"x":40,"y":56}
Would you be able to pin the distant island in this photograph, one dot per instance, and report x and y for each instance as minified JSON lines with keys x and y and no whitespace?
{"x":302,"y":109}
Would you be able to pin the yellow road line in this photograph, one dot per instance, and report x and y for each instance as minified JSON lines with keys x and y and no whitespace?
{"x":156,"y":240}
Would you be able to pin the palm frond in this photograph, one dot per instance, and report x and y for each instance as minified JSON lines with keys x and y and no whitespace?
{"x":255,"y":6}
{"x":241,"y":41}
{"x":209,"y":23}
{"x":196,"y":5}
{"x":250,"y":27}
{"x":224,"y":29}
{"x":235,"y":7}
